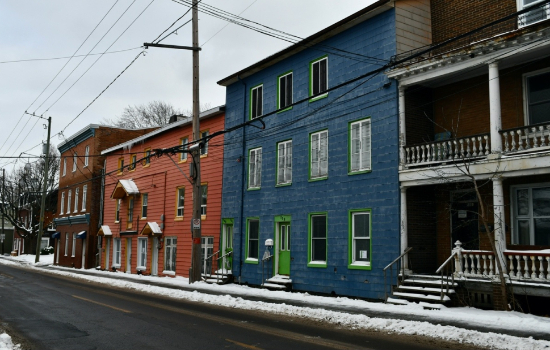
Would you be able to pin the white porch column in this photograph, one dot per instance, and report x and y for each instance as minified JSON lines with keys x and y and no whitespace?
{"x":404,"y":233}
{"x":494,"y":108}
{"x":402,"y":129}
{"x":499,"y":222}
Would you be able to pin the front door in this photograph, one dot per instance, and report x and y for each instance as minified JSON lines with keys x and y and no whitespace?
{"x":283,"y":242}
{"x":207,"y":248}
{"x":128,"y":255}
{"x":464,"y":219}
{"x":155,"y":257}
{"x":228,"y":247}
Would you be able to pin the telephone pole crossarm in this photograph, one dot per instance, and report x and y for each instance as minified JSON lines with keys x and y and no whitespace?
{"x":178,"y":47}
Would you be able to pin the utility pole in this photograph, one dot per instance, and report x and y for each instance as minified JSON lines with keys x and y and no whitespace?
{"x":3,"y":208}
{"x":44,"y":189}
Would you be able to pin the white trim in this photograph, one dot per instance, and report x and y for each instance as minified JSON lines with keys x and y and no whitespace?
{"x":513,"y":228}
{"x":525,"y":95}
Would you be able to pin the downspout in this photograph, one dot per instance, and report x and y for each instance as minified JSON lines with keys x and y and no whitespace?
{"x":243,"y":223}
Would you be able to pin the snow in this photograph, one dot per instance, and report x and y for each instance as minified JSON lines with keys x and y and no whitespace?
{"x":6,"y":343}
{"x":319,"y":308}
{"x":129,"y":186}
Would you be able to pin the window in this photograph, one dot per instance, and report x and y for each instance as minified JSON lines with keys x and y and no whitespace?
{"x":531,"y":215}
{"x":84,"y":195}
{"x":539,"y":13}
{"x":116,"y":252}
{"x":318,"y":163}
{"x":144,"y":199}
{"x":170,"y":254}
{"x":360,"y":146}
{"x":537,"y":97}
{"x":142,"y":253}
{"x":147,"y":157}
{"x":180,"y":201}
{"x":204,"y":194}
{"x":120,"y":165}
{"x":117,"y":210}
{"x":73,"y":251}
{"x":76,"y":192}
{"x":86,"y":155}
{"x":284,"y":90}
{"x":284,"y":162}
{"x":253,"y":240}
{"x":130,"y":213}
{"x":317,"y":240}
{"x":66,"y":244}
{"x":204,"y":149}
{"x":318,"y":71}
{"x":75,"y":160}
{"x":69,"y":202}
{"x":256,"y":101}
{"x":360,"y":239}
{"x":255,"y":168}
{"x":62,"y":208}
{"x":133,"y":160}
{"x":64,"y":166}
{"x":184,"y":142}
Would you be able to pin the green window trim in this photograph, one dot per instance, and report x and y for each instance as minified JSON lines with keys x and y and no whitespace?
{"x":279,"y":86}
{"x":310,"y":263}
{"x":251,"y":112}
{"x":368,"y":169}
{"x":311,"y":88}
{"x":316,"y":178}
{"x":254,"y":261}
{"x":356,"y":265}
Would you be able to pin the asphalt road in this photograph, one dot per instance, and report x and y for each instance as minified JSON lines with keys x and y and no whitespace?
{"x":44,"y":311}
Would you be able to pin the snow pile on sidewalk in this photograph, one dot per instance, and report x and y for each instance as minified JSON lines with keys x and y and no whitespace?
{"x":6,"y":343}
{"x":30,"y":258}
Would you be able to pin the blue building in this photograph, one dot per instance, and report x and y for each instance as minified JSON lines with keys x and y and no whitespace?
{"x":315,"y":173}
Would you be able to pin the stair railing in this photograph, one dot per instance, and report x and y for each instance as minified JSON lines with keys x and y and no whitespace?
{"x":390,"y":266}
{"x":449,"y":264}
{"x":223,"y":266}
{"x":205,"y":260}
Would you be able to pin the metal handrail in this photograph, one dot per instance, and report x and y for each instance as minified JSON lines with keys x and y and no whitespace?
{"x":440,"y":269}
{"x":218,"y":264}
{"x":446,"y":262}
{"x":400,"y":257}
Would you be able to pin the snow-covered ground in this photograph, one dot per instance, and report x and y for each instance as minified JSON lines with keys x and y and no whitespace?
{"x":6,"y":343}
{"x":236,"y":298}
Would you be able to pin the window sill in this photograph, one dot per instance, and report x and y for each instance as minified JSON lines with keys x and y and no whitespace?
{"x":284,"y":110}
{"x":321,"y":264}
{"x":204,"y":155}
{"x":253,"y":188}
{"x":145,"y":218}
{"x":116,"y":266}
{"x":182,"y":161}
{"x":251,"y":261}
{"x":117,"y":222}
{"x":178,"y":218}
{"x":171,"y":273}
{"x":319,"y":97}
{"x":146,"y":165}
{"x":203,"y":217}
{"x":360,"y":172}
{"x":359,"y":266}
{"x":141,"y":268}
{"x":318,"y":179}
{"x":284,"y":185}
{"x":83,"y":211}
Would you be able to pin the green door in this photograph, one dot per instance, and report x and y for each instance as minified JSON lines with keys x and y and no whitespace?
{"x":284,"y":248}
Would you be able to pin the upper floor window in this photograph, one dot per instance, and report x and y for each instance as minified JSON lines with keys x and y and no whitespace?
{"x":284,"y":162}
{"x":120,"y":165}
{"x":75,"y":160}
{"x":255,"y":168}
{"x":538,"y":14}
{"x":144,"y":200}
{"x":84,"y":195}
{"x":184,"y":142}
{"x":204,"y":194}
{"x":62,"y":208}
{"x":76,"y":193}
{"x":133,"y":161}
{"x":204,"y":149}
{"x":318,"y":162}
{"x":64,"y":166}
{"x":360,"y":146}
{"x":180,"y":201}
{"x":69,"y":202}
{"x":147,"y":157}
{"x":130,"y":215}
{"x":86,"y":155}
{"x":284,"y":90}
{"x":537,"y":97}
{"x":319,"y":77}
{"x":256,"y":101}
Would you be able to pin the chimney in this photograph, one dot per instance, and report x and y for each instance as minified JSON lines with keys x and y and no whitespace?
{"x":176,"y":117}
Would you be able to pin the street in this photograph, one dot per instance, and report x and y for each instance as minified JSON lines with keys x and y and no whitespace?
{"x":42,"y":311}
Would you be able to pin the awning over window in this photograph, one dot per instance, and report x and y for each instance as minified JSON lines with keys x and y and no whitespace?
{"x":81,"y":235}
{"x":56,"y":235}
{"x":151,"y":228}
{"x":124,"y":188}
{"x":104,"y":231}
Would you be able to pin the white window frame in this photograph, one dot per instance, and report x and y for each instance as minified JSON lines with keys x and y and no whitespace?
{"x":84,"y":195}
{"x":64,"y":166}
{"x":312,"y":261}
{"x":76,"y":193}
{"x":313,"y":77}
{"x":284,"y":162}
{"x":144,"y":204}
{"x":257,"y":94}
{"x":204,"y":199}
{"x":355,"y":239}
{"x":530,"y":216}
{"x":170,"y":255}
{"x":69,"y":195}
{"x":73,"y":248}
{"x":282,"y":82}
{"x":316,"y":156}
{"x":204,"y":149}
{"x":184,"y":142}
{"x":525,"y":77}
{"x":141,"y":256}
{"x":359,"y":159}
{"x":66,"y":243}
{"x":180,"y":206}
{"x":117,"y":248}
{"x":86,"y":156}
{"x":75,"y":161}
{"x":62,"y":206}
{"x":255,"y":168}
{"x":248,"y":250}
{"x":521,"y":18}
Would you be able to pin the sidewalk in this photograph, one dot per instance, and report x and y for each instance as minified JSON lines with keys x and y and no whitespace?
{"x":392,"y":318}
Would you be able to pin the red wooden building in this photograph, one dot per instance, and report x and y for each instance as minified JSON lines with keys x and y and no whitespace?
{"x":146,"y":224}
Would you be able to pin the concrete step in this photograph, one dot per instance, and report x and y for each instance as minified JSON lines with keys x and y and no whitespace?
{"x":433,"y":298}
{"x":418,"y":289}
{"x":280,"y":279}
{"x":398,"y":301}
{"x":274,"y":286}
{"x":428,"y":282}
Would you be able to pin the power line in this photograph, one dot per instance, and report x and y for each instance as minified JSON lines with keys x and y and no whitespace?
{"x":65,"y":57}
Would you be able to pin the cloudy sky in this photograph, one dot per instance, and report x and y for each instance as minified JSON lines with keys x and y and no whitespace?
{"x":34,"y":32}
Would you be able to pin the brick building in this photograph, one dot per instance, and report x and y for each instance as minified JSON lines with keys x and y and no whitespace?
{"x":475,"y":111}
{"x":146,"y":223}
{"x":80,"y":192}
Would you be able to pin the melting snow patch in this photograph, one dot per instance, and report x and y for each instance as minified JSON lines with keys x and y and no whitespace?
{"x":6,"y":343}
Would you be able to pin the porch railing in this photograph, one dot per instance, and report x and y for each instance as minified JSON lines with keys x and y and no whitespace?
{"x":470,"y":147}
{"x":527,"y":138}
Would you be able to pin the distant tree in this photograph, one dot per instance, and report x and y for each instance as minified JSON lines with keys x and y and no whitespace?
{"x":155,"y":113}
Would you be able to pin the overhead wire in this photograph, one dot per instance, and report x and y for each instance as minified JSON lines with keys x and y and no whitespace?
{"x":65,"y":57}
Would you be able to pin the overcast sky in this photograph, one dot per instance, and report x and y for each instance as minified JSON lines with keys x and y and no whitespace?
{"x":35,"y":29}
